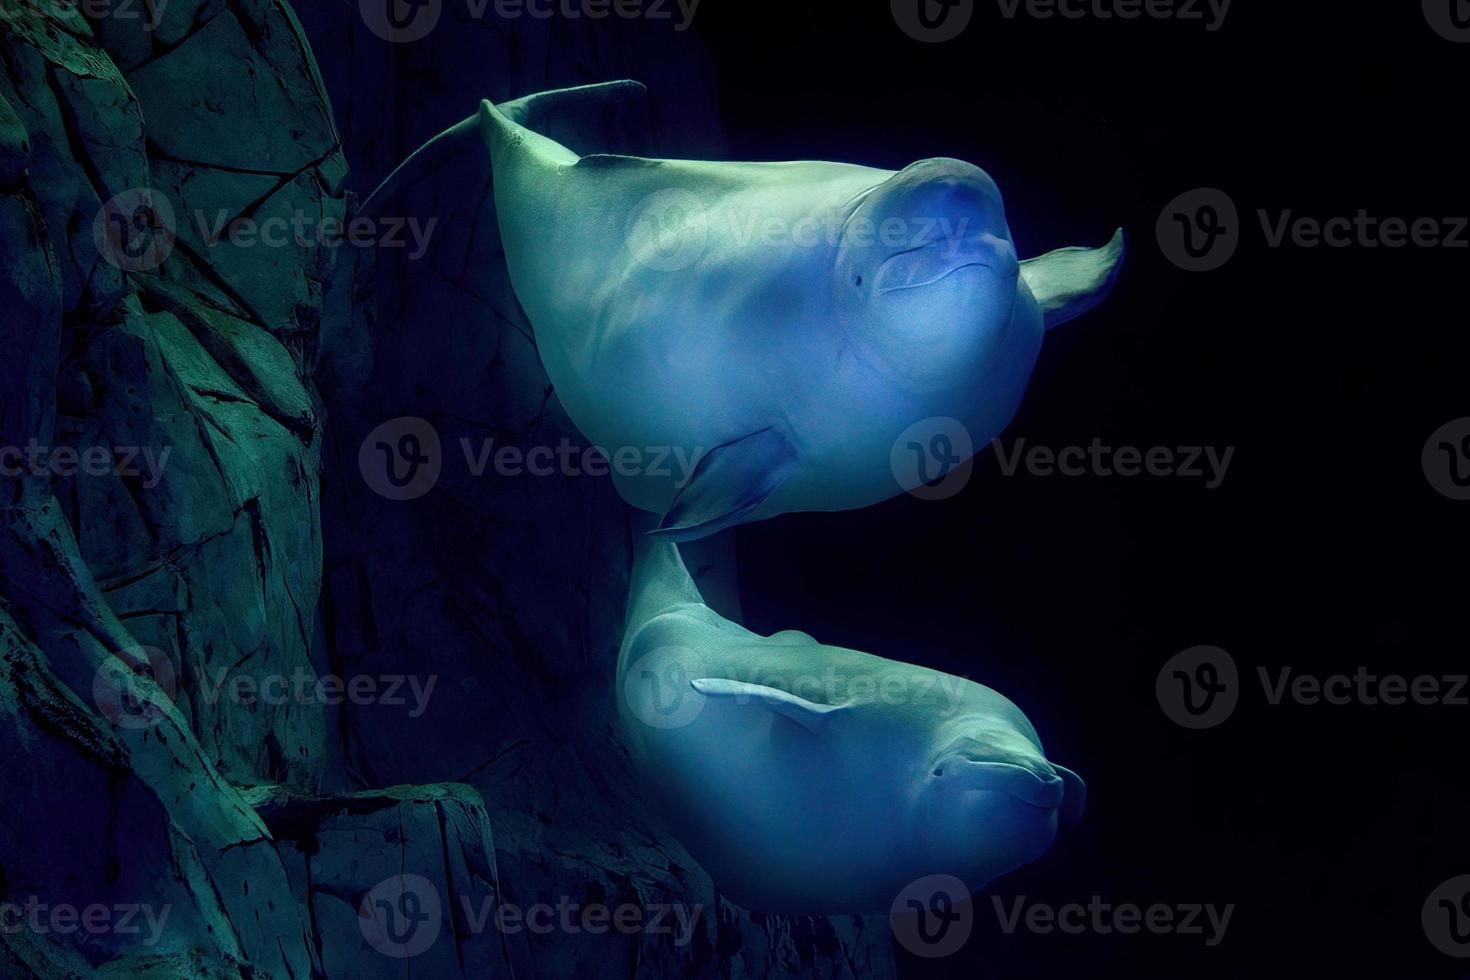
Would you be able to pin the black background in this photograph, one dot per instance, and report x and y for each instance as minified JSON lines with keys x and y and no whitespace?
{"x":1324,"y":550}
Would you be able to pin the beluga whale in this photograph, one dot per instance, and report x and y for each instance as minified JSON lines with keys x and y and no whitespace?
{"x":772,"y":328}
{"x":810,"y":779}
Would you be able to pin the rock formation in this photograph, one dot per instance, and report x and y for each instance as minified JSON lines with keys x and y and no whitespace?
{"x":195,"y":568}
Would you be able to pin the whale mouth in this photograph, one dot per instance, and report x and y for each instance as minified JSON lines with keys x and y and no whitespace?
{"x":1045,"y":791}
{"x":937,"y":279}
{"x":934,"y":261}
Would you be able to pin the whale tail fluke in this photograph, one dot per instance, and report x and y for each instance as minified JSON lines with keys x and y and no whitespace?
{"x":530,"y":113}
{"x":1071,"y":281}
{"x":459,"y":139}
{"x":520,"y":125}
{"x":534,"y":111}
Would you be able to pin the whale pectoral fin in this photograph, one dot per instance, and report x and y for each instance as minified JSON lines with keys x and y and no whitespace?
{"x":808,"y":714}
{"x":1070,"y":281}
{"x":729,"y":483}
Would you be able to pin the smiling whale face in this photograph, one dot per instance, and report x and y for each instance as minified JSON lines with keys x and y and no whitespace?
{"x":926,"y":277}
{"x":990,"y":802}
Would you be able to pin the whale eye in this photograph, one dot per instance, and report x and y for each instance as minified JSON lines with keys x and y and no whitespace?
{"x":859,"y":280}
{"x":939,"y":771}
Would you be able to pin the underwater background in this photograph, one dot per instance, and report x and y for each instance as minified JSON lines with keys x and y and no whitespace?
{"x":233,"y":817}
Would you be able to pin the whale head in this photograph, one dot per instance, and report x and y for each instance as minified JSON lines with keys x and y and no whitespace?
{"x":989,"y":801}
{"x":926,"y":276}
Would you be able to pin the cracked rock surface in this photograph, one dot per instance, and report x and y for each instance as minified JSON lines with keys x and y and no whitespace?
{"x":193,"y":533}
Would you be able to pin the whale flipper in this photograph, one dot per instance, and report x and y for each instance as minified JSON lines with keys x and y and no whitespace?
{"x":729,"y":483}
{"x":808,"y":714}
{"x":1070,"y":281}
